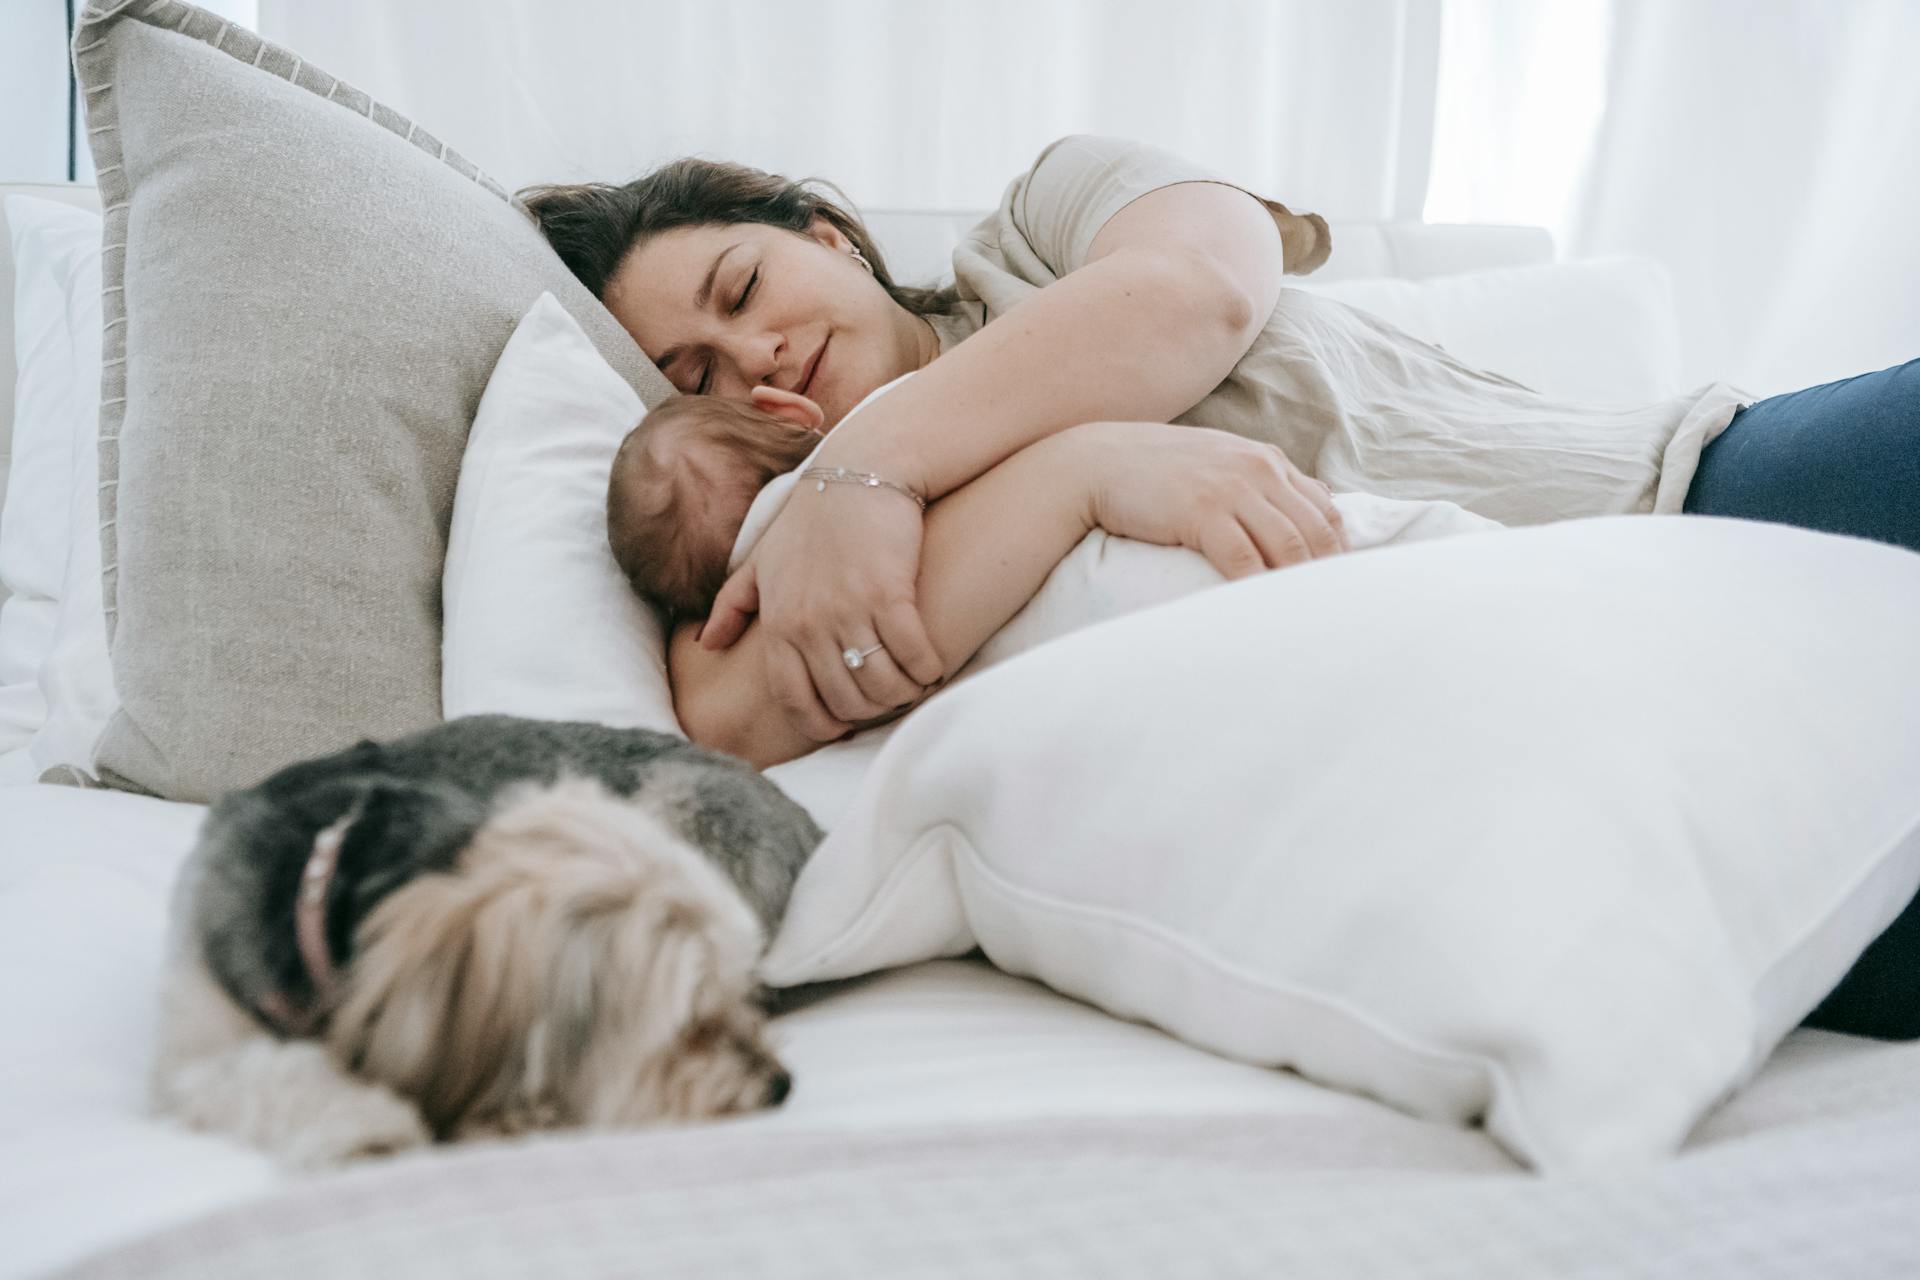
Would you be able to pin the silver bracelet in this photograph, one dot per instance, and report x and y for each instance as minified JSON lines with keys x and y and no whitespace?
{"x":824,"y":476}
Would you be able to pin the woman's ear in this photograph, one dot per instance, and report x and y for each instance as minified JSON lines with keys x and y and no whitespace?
{"x":791,"y":405}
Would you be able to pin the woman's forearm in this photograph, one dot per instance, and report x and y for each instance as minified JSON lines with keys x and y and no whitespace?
{"x":1139,"y":335}
{"x":987,"y":547}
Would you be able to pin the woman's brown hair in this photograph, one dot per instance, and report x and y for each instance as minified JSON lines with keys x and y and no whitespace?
{"x":594,"y":225}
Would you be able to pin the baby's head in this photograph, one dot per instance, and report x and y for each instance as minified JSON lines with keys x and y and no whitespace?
{"x":682,"y":483}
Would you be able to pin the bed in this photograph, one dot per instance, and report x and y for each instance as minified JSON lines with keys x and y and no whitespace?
{"x":948,"y":1118}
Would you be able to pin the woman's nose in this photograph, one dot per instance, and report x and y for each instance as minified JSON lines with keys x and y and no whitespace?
{"x":759,"y":358}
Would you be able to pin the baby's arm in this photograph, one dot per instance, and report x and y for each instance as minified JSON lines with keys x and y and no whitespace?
{"x":987,"y":547}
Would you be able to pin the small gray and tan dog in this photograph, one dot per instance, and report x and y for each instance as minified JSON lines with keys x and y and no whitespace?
{"x":492,"y":926}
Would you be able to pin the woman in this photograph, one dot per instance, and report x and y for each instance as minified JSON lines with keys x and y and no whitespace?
{"x":1119,"y":282}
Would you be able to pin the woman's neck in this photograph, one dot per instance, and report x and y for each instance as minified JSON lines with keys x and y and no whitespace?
{"x":928,"y":339}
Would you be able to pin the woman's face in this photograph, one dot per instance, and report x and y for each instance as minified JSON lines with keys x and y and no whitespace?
{"x":722,"y":309}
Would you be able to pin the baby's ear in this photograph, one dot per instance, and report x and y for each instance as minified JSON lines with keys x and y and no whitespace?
{"x":790,"y":405}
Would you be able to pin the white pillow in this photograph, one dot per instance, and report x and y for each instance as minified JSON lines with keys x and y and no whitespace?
{"x":1562,"y":829}
{"x":539,"y":620}
{"x":1598,"y":331}
{"x":56,"y":682}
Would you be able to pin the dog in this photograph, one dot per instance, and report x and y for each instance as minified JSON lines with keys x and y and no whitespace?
{"x":493,"y":926}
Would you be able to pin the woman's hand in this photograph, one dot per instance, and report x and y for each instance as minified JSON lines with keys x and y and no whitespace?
{"x":836,"y":570}
{"x":1241,"y":504}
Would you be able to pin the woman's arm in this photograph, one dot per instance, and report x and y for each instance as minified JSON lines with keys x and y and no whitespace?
{"x":987,"y":548}
{"x":1174,"y":290}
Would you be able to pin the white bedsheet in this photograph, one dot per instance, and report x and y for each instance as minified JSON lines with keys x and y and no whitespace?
{"x":83,"y":883}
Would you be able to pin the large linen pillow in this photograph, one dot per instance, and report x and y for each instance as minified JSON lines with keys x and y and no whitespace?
{"x":305,"y":295}
{"x":1598,"y":331}
{"x":1560,"y":829}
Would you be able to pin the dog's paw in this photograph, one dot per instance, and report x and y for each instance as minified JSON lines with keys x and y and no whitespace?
{"x":359,"y":1126}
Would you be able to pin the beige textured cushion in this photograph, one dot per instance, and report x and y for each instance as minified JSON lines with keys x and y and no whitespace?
{"x":305,"y":294}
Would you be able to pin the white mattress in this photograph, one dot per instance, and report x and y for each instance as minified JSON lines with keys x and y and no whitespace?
{"x":950,"y":1046}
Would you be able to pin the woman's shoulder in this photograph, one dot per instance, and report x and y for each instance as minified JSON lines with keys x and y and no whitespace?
{"x":1076,"y":183}
{"x":1075,"y":152}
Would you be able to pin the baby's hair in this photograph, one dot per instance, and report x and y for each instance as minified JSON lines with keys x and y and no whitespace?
{"x":654,"y":498}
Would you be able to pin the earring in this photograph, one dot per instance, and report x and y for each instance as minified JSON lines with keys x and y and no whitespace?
{"x":860,"y":258}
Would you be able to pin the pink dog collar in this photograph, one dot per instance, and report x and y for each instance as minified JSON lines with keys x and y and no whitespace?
{"x":310,"y":930}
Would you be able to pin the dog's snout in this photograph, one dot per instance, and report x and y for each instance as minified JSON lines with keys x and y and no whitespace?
{"x":778,"y":1088}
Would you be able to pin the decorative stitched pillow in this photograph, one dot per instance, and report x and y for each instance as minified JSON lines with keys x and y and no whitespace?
{"x":305,"y":295}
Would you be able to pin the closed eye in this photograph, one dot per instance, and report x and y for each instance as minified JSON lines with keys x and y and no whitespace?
{"x":706,"y":374}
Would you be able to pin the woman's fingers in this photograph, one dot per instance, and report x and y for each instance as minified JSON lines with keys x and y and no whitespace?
{"x":1322,"y":497}
{"x":1309,"y":523}
{"x":838,"y":685}
{"x":902,"y":630}
{"x":1229,"y":549}
{"x":1279,"y":541}
{"x":1293,"y":519}
{"x":792,"y":686}
{"x":733,"y":609}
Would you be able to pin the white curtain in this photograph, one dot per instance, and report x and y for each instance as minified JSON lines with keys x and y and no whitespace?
{"x":1767,"y":152}
{"x":926,"y":105}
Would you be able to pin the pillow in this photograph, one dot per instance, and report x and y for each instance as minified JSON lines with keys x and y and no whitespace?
{"x":1600,"y":331}
{"x":529,"y":544}
{"x":305,"y":294}
{"x":1561,"y":829}
{"x":55,"y":688}
{"x":540,"y":621}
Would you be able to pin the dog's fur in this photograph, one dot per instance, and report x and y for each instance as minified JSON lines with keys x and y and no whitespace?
{"x":535,"y":925}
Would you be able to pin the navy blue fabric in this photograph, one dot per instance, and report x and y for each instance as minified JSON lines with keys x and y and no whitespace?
{"x":1843,"y":458}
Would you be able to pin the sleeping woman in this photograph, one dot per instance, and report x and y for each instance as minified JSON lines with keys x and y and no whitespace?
{"x":1121,"y":286}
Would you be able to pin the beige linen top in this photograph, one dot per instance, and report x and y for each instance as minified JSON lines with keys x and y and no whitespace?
{"x":1348,"y":397}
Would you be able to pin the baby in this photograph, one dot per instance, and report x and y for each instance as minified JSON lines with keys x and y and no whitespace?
{"x":700,"y":479}
{"x":684,"y":480}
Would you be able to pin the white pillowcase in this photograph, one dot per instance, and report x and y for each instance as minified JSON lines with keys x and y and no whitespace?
{"x":1597,"y":331}
{"x":539,"y":620}
{"x":56,"y":681}
{"x":1562,"y":829}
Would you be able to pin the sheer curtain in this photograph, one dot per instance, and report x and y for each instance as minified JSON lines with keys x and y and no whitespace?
{"x":1765,"y":152}
{"x":922,"y":105}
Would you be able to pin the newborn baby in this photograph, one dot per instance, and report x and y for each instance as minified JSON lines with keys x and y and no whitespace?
{"x":683,"y":481}
{"x":700,"y":479}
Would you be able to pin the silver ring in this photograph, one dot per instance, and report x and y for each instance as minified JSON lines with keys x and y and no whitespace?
{"x":857,"y":658}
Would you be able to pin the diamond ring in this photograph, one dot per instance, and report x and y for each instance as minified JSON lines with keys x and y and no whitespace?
{"x":857,"y":658}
